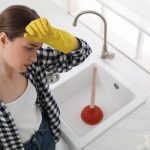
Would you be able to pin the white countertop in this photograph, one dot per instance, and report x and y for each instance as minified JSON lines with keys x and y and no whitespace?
{"x":128,"y":132}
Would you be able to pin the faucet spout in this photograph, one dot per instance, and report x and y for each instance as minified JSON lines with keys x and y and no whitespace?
{"x":104,"y":53}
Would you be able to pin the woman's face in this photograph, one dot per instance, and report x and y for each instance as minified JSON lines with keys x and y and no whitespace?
{"x":20,"y":53}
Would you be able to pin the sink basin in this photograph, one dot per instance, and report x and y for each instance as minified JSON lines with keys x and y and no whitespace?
{"x":114,"y":95}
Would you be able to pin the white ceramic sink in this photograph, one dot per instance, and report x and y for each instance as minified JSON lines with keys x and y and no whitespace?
{"x":114,"y":95}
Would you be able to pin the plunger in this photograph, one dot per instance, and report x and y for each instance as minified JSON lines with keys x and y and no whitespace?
{"x":92,"y":114}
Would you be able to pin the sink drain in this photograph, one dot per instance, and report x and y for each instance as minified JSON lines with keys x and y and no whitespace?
{"x":116,"y":86}
{"x":53,"y":78}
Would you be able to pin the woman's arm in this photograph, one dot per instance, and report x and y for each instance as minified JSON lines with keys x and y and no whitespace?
{"x":1,"y":146}
{"x":56,"y":61}
{"x":67,"y":52}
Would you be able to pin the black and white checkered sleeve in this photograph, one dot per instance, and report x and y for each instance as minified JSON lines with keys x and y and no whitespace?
{"x":55,"y":61}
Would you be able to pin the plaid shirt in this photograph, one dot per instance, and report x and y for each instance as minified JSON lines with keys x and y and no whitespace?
{"x":48,"y":60}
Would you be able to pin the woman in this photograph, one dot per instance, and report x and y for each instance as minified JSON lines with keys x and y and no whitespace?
{"x":29,"y":115}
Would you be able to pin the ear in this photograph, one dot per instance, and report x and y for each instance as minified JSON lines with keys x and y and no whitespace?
{"x":3,"y":38}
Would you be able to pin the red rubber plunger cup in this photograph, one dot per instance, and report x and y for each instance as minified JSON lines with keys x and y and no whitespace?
{"x":92,"y":114}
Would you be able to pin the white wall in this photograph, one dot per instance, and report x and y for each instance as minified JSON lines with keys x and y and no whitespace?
{"x":43,"y":7}
{"x":63,"y":4}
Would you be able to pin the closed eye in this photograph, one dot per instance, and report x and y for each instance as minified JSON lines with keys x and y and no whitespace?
{"x":29,"y":48}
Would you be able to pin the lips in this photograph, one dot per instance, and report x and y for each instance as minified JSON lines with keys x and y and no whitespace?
{"x":27,"y":65}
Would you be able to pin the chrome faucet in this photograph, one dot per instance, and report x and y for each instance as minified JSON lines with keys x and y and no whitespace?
{"x":104,"y":53}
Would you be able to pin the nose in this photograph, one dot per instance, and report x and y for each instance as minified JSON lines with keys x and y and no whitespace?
{"x":33,"y":57}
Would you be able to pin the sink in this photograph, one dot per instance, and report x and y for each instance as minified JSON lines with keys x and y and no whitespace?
{"x":114,"y":95}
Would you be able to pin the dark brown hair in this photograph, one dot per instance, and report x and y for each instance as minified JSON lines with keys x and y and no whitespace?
{"x":15,"y":18}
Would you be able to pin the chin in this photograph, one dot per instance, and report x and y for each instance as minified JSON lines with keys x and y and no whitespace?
{"x":21,"y":70}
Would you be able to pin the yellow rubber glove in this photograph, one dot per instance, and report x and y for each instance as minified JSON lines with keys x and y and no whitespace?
{"x":41,"y":31}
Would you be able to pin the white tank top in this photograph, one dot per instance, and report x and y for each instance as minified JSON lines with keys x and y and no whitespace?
{"x":25,"y":113}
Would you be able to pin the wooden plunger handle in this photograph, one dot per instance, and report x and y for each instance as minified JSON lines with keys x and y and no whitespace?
{"x":92,"y":102}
